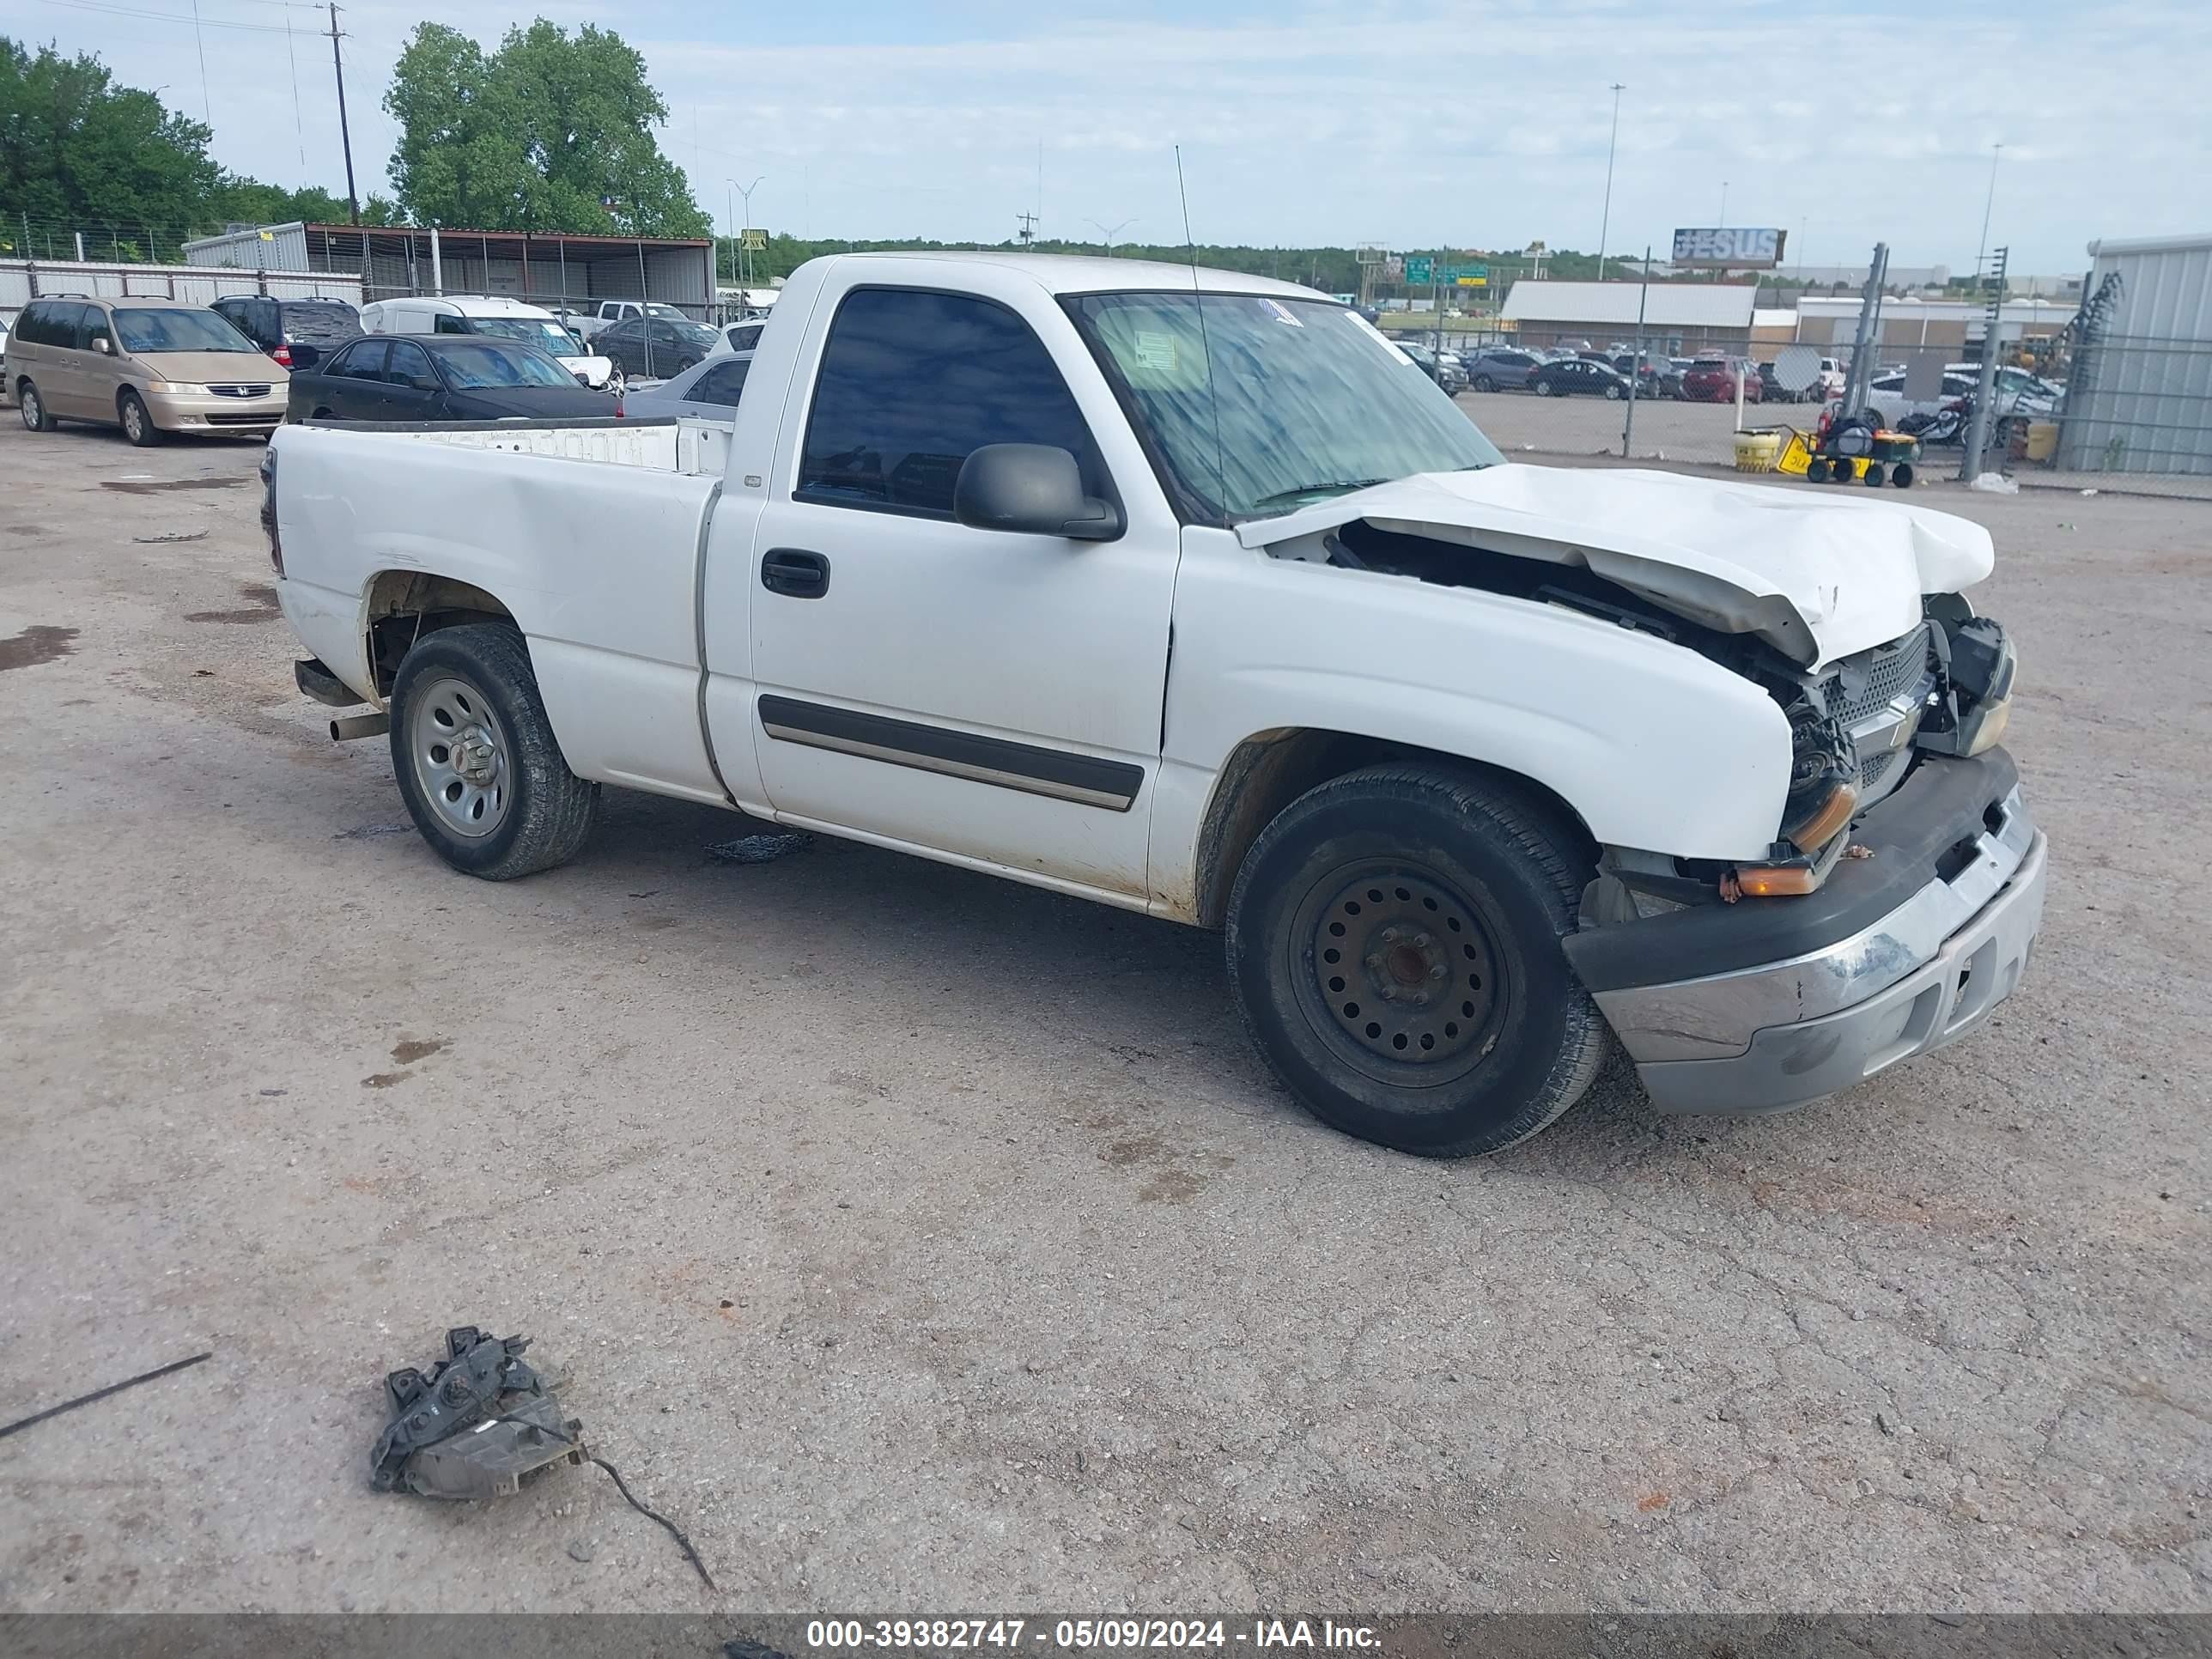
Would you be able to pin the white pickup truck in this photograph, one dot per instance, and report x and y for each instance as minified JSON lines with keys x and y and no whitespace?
{"x":1186,"y":592}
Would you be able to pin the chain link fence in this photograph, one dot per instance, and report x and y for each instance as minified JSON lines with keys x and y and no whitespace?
{"x":2120,"y":413}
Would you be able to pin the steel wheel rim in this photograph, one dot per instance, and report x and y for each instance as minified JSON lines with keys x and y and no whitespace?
{"x":1398,"y":974}
{"x":460,"y":756}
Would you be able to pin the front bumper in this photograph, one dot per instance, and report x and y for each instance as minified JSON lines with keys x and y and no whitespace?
{"x":188,"y":412}
{"x":1967,"y":882}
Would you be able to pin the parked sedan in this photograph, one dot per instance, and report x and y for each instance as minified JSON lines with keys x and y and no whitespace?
{"x":439,"y":377}
{"x":1445,"y":371}
{"x":1502,"y":368}
{"x":1713,"y":380}
{"x":1570,"y":375}
{"x":709,"y":390}
{"x":654,"y":348}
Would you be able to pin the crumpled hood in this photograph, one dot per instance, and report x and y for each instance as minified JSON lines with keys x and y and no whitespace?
{"x":1819,"y":574}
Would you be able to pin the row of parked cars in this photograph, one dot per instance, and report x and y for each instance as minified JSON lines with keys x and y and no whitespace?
{"x":248,"y":362}
{"x":1564,"y":374}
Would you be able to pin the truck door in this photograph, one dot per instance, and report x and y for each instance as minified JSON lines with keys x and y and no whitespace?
{"x":989,"y":695}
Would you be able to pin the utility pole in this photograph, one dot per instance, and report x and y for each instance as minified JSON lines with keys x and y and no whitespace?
{"x":1028,"y":233}
{"x":1978,"y":428}
{"x":1982,"y":248}
{"x":345,"y":137}
{"x":1605,"y":220}
{"x":1865,"y":341}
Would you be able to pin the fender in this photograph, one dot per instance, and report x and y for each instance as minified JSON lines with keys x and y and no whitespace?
{"x":1653,"y":745}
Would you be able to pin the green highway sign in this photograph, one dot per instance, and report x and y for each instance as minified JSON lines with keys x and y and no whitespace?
{"x":1422,"y":268}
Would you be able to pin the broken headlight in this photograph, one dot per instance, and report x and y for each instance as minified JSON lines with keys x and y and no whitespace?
{"x":1823,"y":779}
{"x":1980,"y":667}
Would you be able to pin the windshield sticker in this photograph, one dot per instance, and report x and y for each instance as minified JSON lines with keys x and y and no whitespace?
{"x":1155,"y":351}
{"x":1282,"y":313}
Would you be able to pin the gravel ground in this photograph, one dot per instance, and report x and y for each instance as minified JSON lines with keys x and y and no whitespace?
{"x":922,"y":1242}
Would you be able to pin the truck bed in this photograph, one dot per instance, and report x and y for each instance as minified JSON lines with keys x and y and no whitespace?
{"x":661,"y":443}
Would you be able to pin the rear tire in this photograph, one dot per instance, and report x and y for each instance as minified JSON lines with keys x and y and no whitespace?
{"x":36,"y":417}
{"x":1394,"y":942}
{"x":137,"y":423}
{"x":1484,"y":383}
{"x":477,"y":760}
{"x":1541,"y":388}
{"x":1902,"y":475}
{"x":1816,"y":470}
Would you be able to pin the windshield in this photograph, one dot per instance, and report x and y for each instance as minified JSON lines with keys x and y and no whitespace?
{"x":1311,"y":400}
{"x":696,"y":335}
{"x":542,"y":331}
{"x":475,"y":367}
{"x":659,"y":309}
{"x":148,"y":330}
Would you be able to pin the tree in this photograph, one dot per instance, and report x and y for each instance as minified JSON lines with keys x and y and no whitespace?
{"x":76,"y":149}
{"x":552,"y":131}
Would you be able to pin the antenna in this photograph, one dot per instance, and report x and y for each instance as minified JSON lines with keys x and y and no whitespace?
{"x":1198,"y":300}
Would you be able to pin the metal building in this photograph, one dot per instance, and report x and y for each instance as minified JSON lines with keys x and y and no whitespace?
{"x":555,"y":270}
{"x":2139,"y":390}
{"x":1679,"y":317}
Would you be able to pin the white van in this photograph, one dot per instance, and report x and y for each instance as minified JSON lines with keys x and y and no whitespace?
{"x":496,"y":315}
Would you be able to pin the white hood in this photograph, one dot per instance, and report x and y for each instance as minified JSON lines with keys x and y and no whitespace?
{"x":1818,"y":573}
{"x":594,"y":369}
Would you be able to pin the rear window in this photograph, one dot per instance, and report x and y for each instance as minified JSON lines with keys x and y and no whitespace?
{"x":318,"y":320}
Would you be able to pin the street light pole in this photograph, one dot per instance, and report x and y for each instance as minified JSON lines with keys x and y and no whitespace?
{"x":1605,"y":220}
{"x":1109,"y":233}
{"x":1724,"y":184}
{"x":1982,"y":249}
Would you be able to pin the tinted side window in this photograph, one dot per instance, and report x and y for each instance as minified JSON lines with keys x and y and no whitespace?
{"x":68,"y":321}
{"x":721,"y":385}
{"x":446,"y":324}
{"x":407,"y":359}
{"x":911,"y":383}
{"x":30,"y":324}
{"x":364,"y":362}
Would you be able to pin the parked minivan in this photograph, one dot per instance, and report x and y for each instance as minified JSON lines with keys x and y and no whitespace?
{"x":151,"y":367}
{"x":496,"y":315}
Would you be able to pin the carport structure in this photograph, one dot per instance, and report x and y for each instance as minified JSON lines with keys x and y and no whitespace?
{"x":549,"y":269}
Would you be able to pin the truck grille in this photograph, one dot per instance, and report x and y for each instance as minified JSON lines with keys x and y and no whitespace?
{"x":1879,"y":696}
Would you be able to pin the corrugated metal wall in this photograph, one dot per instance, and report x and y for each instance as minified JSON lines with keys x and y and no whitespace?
{"x":2141,"y":399}
{"x":192,"y":284}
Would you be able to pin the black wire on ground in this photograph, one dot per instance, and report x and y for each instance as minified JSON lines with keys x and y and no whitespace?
{"x":622,"y":1486}
{"x":102,"y":1394}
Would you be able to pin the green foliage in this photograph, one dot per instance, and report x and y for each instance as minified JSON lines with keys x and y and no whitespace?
{"x":540,"y":135}
{"x":74,"y":146}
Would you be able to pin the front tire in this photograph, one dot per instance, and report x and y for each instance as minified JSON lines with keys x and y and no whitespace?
{"x":137,"y":424}
{"x":1394,"y":942}
{"x":476,"y":758}
{"x":1484,"y":383}
{"x":36,"y":417}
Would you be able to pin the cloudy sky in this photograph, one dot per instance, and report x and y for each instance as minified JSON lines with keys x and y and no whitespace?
{"x":1410,"y":123}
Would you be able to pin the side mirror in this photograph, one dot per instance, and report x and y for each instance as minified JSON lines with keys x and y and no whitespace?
{"x":101,"y":344}
{"x":423,"y":382}
{"x":1032,"y":488}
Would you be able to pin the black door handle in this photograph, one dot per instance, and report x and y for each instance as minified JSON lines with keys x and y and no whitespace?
{"x":795,"y":573}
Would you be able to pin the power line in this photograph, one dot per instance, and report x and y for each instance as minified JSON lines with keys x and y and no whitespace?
{"x":165,"y":17}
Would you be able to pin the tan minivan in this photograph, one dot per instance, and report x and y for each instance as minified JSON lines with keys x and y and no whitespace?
{"x":151,"y":367}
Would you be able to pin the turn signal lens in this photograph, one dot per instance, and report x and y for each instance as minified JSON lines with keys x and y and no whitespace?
{"x":1823,"y":824}
{"x":1776,"y":881}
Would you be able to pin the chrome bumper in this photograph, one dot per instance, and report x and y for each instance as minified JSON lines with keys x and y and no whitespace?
{"x":1780,"y":1034}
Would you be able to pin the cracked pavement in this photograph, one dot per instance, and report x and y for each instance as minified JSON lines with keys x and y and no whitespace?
{"x":916,"y":1241}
